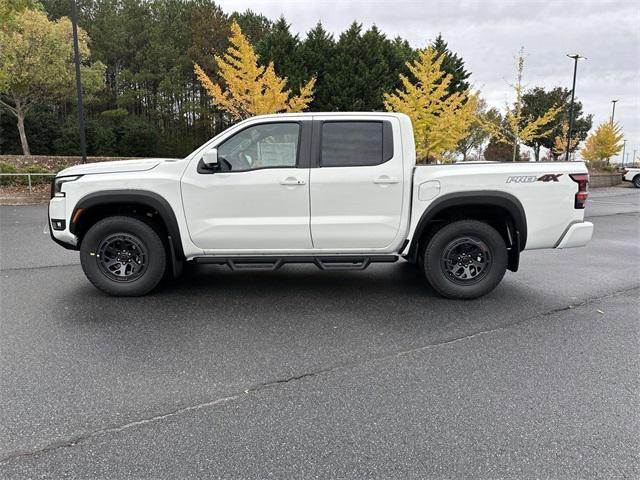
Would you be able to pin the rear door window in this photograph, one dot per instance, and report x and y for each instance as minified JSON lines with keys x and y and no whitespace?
{"x":354,"y":144}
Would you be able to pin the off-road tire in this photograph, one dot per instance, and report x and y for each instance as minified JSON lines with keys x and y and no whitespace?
{"x":146,"y":260}
{"x":488,"y":265}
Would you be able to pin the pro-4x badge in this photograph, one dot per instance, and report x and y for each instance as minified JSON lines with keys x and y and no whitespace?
{"x":549,"y":177}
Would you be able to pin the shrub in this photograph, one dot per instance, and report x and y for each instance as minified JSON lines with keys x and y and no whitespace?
{"x":35,"y":180}
{"x":24,"y":180}
{"x":7,"y":168}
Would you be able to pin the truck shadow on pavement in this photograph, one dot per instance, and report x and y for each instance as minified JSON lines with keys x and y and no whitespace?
{"x":394,"y":298}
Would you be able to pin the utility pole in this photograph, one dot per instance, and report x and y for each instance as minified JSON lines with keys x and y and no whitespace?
{"x":613,"y":113}
{"x":76,"y":56}
{"x":575,"y":57}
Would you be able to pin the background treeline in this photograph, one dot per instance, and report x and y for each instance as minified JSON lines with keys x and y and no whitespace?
{"x":152,"y":103}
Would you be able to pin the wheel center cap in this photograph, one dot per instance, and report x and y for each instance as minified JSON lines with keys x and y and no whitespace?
{"x":124,"y":257}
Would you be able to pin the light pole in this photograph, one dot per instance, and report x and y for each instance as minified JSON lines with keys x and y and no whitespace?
{"x":613,"y":112}
{"x":76,"y":57}
{"x":575,"y":57}
{"x":624,"y":149}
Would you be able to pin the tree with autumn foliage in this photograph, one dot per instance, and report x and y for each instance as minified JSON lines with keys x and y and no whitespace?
{"x":251,"y":89}
{"x":439,"y":119}
{"x":36,"y":63}
{"x":536,"y":102}
{"x":560,"y":142}
{"x":603,"y":144}
{"x":516,"y":128}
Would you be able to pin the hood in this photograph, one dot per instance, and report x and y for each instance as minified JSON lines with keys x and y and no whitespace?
{"x":120,"y":166}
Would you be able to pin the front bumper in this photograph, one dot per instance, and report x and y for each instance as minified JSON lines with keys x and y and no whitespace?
{"x":577,"y":235}
{"x":64,"y":238}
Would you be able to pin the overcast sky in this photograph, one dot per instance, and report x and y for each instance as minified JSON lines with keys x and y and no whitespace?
{"x":488,"y":34}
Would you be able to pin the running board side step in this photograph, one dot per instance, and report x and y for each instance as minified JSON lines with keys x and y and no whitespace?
{"x":323,"y":262}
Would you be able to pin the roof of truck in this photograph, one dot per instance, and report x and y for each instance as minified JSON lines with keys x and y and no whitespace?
{"x":341,"y":114}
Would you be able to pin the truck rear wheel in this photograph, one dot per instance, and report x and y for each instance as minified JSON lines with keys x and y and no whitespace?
{"x":465,"y":259}
{"x":636,"y":181}
{"x":123,"y":256}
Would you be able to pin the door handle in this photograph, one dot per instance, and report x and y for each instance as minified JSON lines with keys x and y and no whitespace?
{"x":292,"y":181}
{"x":385,"y":180}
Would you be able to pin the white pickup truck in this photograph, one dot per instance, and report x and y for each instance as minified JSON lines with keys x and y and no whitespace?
{"x":632,"y":175}
{"x":339,"y":190}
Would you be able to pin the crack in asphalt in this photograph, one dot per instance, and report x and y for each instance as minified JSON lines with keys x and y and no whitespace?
{"x":38,"y":267}
{"x":103,"y":431}
{"x":274,"y":383}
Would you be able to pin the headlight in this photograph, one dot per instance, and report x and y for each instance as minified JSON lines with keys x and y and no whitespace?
{"x":56,"y":187}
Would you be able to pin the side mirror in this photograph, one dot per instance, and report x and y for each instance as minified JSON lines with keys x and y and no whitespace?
{"x":210,"y":158}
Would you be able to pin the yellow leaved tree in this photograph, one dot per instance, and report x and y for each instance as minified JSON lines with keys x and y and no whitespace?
{"x":560,"y":142}
{"x":251,"y":89}
{"x":516,"y":128}
{"x":604,"y":143}
{"x":439,"y":120}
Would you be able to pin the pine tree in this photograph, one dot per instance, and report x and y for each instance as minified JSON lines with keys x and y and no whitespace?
{"x":255,"y":26}
{"x":346,"y":71}
{"x":453,"y":65}
{"x":251,"y":89}
{"x":364,"y":66}
{"x":283,"y":49}
{"x":317,"y":52}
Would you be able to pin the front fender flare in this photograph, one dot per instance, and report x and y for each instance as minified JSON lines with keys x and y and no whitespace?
{"x":135,"y":197}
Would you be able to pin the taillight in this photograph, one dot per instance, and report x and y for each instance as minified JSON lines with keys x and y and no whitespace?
{"x":582,"y":179}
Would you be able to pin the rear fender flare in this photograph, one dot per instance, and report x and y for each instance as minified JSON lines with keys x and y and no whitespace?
{"x":481,"y":198}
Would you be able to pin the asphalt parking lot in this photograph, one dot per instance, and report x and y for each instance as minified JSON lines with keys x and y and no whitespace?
{"x":304,"y":374}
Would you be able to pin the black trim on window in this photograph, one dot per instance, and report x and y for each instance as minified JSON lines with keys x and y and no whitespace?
{"x":303,"y":150}
{"x":387,"y":141}
{"x":315,"y":143}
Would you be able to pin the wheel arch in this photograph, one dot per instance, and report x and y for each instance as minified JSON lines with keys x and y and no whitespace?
{"x":482,"y":205}
{"x":98,"y":205}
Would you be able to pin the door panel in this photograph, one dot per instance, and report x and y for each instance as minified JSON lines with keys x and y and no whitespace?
{"x":266,"y":208}
{"x":356,"y":207}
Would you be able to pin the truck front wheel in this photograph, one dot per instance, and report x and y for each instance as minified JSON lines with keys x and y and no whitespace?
{"x":465,"y":259}
{"x":123,"y":256}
